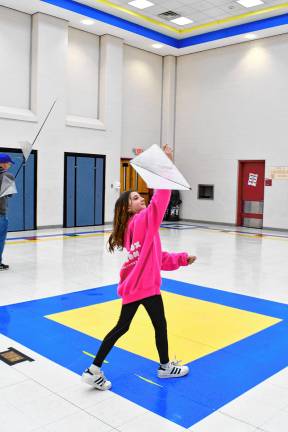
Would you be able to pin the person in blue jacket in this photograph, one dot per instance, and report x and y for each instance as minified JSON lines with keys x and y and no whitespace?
{"x":5,"y":164}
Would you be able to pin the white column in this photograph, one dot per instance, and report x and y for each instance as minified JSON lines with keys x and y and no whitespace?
{"x":110,"y":112}
{"x":168,"y":101}
{"x":111,"y":80}
{"x":48,"y":81}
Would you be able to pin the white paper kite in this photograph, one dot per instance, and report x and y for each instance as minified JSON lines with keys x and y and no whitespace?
{"x":8,"y":185}
{"x":158,"y":171}
{"x":26,"y":147}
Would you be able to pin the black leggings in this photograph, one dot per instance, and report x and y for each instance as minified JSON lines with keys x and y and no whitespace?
{"x":155,"y":309}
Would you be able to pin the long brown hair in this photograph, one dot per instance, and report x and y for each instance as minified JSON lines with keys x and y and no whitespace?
{"x":120,"y":221}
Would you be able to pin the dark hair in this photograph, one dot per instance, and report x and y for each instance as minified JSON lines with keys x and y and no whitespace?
{"x":120,"y":221}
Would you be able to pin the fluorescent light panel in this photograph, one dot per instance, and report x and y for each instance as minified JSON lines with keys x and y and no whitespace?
{"x":87,"y":22}
{"x":250,"y":36}
{"x":250,"y":3}
{"x":181,"y":21}
{"x":141,"y":4}
{"x":157,"y":45}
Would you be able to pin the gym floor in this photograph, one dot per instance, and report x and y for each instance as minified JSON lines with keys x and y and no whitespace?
{"x":226,"y":316}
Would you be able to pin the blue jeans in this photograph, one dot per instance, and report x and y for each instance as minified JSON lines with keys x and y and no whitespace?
{"x":3,"y":233}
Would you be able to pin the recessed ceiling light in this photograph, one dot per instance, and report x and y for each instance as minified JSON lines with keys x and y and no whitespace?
{"x":250,"y":3}
{"x":181,"y":21}
{"x":141,"y":4}
{"x":157,"y":45}
{"x":250,"y":36}
{"x":87,"y":21}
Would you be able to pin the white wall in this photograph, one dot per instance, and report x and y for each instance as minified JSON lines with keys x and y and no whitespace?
{"x":232,"y":105}
{"x":94,"y":80}
{"x":15,"y":30}
{"x":142,"y":99}
{"x":84,"y":132}
{"x":83,"y":73}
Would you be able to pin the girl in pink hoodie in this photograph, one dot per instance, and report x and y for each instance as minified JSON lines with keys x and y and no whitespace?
{"x":136,"y":228}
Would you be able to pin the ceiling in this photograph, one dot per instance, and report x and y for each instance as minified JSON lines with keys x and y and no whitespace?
{"x":214,"y":22}
{"x":206,"y":15}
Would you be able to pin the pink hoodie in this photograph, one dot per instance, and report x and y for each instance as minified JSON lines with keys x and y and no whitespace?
{"x":140,"y":274}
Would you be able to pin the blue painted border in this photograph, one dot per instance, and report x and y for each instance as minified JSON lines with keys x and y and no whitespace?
{"x":214,"y":380}
{"x":113,"y":20}
{"x":67,"y":234}
{"x":234,"y":31}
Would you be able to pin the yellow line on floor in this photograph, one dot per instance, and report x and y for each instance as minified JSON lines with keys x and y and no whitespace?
{"x":247,"y":235}
{"x":92,"y":355}
{"x":93,"y":235}
{"x":147,"y":380}
{"x":275,"y":238}
{"x":252,"y":235}
{"x":258,"y":236}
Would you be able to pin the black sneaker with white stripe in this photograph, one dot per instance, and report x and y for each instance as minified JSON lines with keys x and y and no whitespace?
{"x":172,"y":370}
{"x":96,"y":380}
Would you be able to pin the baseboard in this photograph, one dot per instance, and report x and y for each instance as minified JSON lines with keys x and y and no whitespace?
{"x":42,"y":227}
{"x":207,"y":222}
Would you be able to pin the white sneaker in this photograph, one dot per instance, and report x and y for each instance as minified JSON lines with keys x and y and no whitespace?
{"x":172,"y":370}
{"x":96,"y":380}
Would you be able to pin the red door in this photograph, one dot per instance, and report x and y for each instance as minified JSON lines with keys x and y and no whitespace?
{"x":251,"y":194}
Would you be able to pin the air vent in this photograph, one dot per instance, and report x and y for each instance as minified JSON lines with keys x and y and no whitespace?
{"x":169,"y":15}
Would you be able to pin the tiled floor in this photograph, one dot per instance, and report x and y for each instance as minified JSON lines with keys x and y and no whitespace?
{"x":43,"y":396}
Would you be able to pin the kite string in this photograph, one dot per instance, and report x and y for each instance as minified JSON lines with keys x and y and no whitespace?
{"x":38,"y":133}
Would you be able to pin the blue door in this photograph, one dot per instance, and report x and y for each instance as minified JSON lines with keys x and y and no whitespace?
{"x":22,"y":206}
{"x":84,"y":190}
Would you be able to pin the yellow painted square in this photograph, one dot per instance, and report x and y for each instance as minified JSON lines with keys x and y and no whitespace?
{"x":195,"y":327}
